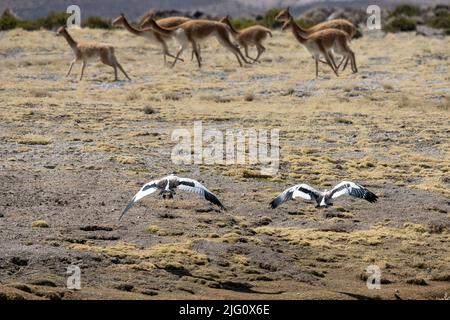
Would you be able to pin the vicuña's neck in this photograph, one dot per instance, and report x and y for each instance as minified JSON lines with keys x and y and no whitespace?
{"x":161,"y":30}
{"x":130,"y":28}
{"x":298,"y":32}
{"x":233,"y":30}
{"x":72,"y":43}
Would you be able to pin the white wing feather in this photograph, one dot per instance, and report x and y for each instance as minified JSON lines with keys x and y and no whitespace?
{"x":146,"y":190}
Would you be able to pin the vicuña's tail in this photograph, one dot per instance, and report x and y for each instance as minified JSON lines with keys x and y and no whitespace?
{"x":268,"y":31}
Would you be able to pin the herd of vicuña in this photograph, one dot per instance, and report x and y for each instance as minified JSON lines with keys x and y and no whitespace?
{"x":324,"y":41}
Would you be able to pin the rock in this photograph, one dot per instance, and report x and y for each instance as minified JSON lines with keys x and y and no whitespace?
{"x":44,"y":282}
{"x":18,"y":261}
{"x":417,"y":281}
{"x":263,"y":221}
{"x":428,"y":31}
{"x":124,"y":287}
{"x":96,"y":228}
{"x":149,"y":292}
{"x":22,"y":287}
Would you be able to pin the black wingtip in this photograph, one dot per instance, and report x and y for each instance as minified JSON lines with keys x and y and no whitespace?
{"x":220,"y":205}
{"x":371,"y":197}
{"x":129,"y":205}
{"x":213,"y":199}
{"x":273,"y":203}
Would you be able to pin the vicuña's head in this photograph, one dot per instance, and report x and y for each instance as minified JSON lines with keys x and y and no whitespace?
{"x":119,"y":20}
{"x":283,"y":15}
{"x":286,"y":24}
{"x":148,"y":22}
{"x":61,"y":30}
{"x":226,"y":19}
{"x":149,"y":15}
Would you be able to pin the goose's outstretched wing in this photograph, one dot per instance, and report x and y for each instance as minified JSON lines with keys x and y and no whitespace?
{"x":195,"y":187}
{"x":354,"y":190}
{"x":303,"y":191}
{"x":147,"y":189}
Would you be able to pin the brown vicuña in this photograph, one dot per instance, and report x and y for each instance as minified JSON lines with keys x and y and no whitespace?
{"x":168,"y":22}
{"x":85,"y":51}
{"x":251,"y":36}
{"x":194,"y":31}
{"x":324,"y":43}
{"x":340,"y":24}
{"x":150,"y":34}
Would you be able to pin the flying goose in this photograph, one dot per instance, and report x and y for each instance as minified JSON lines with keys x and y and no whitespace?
{"x":167,"y":186}
{"x":323,"y":199}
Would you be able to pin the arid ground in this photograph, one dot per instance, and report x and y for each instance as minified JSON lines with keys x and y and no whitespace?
{"x":74,"y":153}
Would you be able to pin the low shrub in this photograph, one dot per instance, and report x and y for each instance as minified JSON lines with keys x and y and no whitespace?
{"x":398,"y":24}
{"x":441,"y":21}
{"x":268,"y":20}
{"x":53,"y":20}
{"x":8,"y":22}
{"x":406,"y":10}
{"x":96,"y":22}
{"x":241,"y":23}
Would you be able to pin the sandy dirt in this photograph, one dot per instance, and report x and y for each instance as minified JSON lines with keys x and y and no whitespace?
{"x":74,"y":153}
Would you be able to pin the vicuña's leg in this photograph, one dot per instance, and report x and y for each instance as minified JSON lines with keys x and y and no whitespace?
{"x":342,"y":60}
{"x":332,"y":60}
{"x":328,"y":58}
{"x":225,"y":41}
{"x":352,"y":57}
{"x":82,"y":69}
{"x":199,"y":52}
{"x":123,"y":71}
{"x":330,"y":63}
{"x":345,"y":64}
{"x":317,"y":67}
{"x":110,"y":60}
{"x":178,"y":54}
{"x":197,"y":55}
{"x":166,"y":52}
{"x":239,"y":53}
{"x":348,"y":55}
{"x":260,"y":49}
{"x":70,"y":68}
{"x":115,"y":72}
{"x":246,"y":53}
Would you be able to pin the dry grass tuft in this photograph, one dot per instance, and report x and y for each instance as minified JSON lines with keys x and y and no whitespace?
{"x":34,"y":139}
{"x":40,"y":224}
